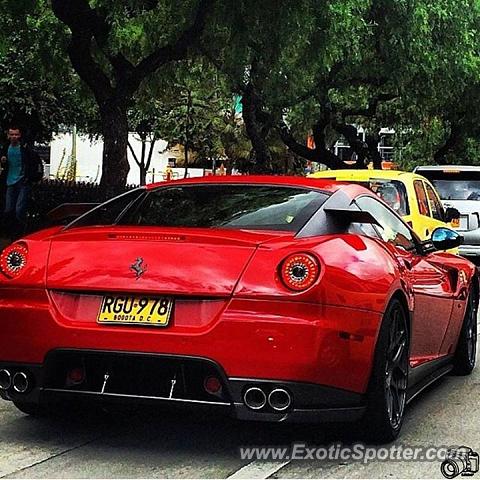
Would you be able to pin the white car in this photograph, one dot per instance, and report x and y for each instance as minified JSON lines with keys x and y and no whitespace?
{"x":459,"y":187}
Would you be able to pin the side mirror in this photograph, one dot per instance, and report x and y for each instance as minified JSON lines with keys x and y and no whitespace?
{"x":451,"y":214}
{"x":445,"y":238}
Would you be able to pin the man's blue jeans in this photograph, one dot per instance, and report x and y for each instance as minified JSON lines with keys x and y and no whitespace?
{"x":16,"y":203}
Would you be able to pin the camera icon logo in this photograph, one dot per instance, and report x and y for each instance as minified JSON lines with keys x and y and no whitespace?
{"x":460,"y":461}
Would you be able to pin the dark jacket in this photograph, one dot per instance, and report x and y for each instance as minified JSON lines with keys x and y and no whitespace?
{"x":32,"y":166}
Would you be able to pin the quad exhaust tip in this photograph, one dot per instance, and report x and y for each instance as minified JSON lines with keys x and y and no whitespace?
{"x":279,"y":399}
{"x":5,"y":379}
{"x":20,"y":382}
{"x":255,"y":398}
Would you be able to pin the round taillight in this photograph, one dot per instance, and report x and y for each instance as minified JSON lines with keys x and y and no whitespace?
{"x":299,"y":271}
{"x":13,"y":259}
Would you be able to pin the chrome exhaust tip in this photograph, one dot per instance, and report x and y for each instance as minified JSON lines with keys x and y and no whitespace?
{"x":20,"y":382}
{"x":5,"y":379}
{"x":255,"y":398}
{"x":279,"y":399}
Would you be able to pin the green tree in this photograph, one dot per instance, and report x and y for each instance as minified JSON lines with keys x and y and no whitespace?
{"x":114,"y":46}
{"x":196,"y":105}
{"x":322,"y":67}
{"x":37,"y":84}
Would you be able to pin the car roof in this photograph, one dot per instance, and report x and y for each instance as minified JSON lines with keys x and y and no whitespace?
{"x":291,"y":181}
{"x":364,"y":175}
{"x":448,"y":168}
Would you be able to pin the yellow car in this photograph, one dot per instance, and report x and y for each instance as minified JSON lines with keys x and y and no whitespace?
{"x":412,"y":196}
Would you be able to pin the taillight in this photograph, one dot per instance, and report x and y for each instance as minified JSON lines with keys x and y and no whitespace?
{"x":299,"y":271}
{"x":13,"y":260}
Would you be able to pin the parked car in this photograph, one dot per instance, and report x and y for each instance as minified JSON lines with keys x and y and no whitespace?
{"x":273,"y":298}
{"x":459,"y":187}
{"x":411,"y":196}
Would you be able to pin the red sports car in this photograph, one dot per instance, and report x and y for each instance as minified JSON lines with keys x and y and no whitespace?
{"x":275,"y":298}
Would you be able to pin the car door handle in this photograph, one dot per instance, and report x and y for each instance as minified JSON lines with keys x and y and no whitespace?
{"x":427,"y":232}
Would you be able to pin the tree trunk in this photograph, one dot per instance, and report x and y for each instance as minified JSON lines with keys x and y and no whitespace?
{"x":143,"y":169}
{"x":250,"y":112}
{"x":440,"y":156}
{"x":115,"y":143}
{"x":372,"y":140}
{"x":320,"y":153}
{"x":148,"y":162}
{"x":357,"y":145}
{"x":91,"y":28}
{"x":143,"y":175}
{"x":187,"y":130}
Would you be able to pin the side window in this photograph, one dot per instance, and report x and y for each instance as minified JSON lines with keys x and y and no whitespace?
{"x":107,"y":213}
{"x":391,"y":228}
{"x":437,"y":208}
{"x":363,"y":229}
{"x":421,"y":198}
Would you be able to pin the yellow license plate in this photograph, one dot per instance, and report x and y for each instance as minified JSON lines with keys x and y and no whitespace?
{"x":135,"y":310}
{"x":455,"y":223}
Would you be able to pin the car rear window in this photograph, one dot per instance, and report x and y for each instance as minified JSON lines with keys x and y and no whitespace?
{"x":236,"y":206}
{"x":455,"y":184}
{"x":392,"y":192}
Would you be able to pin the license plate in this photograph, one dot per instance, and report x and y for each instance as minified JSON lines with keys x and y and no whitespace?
{"x":455,"y":222}
{"x":135,"y":310}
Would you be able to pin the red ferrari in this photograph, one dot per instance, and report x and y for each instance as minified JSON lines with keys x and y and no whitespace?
{"x":274,"y":298}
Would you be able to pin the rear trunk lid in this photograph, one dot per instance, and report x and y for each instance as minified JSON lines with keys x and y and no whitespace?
{"x":175,"y":261}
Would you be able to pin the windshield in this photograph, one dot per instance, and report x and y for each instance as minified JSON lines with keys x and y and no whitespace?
{"x":269,"y":207}
{"x":392,"y":192}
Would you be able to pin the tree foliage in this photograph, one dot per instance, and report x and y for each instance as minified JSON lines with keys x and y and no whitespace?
{"x":377,"y":63}
{"x":37,"y":84}
{"x":320,"y":68}
{"x":114,"y":46}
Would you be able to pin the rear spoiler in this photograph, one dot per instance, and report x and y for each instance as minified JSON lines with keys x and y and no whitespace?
{"x":347,"y":216}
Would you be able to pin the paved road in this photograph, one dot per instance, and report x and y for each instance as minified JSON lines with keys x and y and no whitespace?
{"x":151,"y":444}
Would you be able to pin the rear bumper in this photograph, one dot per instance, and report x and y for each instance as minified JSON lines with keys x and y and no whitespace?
{"x":48,"y":385}
{"x":259,"y":339}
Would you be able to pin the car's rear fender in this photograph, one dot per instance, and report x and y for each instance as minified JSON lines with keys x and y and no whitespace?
{"x":37,"y":247}
{"x":355,"y":271}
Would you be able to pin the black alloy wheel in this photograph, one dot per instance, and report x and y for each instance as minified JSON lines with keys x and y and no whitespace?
{"x":466,"y":352}
{"x":387,"y":391}
{"x":471,"y":319}
{"x":396,"y":368}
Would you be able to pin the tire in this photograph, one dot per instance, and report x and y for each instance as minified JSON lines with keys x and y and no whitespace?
{"x":30,"y":408}
{"x":466,"y":352}
{"x":387,"y":390}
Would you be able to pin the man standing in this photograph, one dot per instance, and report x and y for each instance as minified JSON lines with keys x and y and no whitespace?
{"x":20,"y":168}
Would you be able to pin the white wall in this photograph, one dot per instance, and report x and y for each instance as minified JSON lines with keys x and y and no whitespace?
{"x":89,"y":159}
